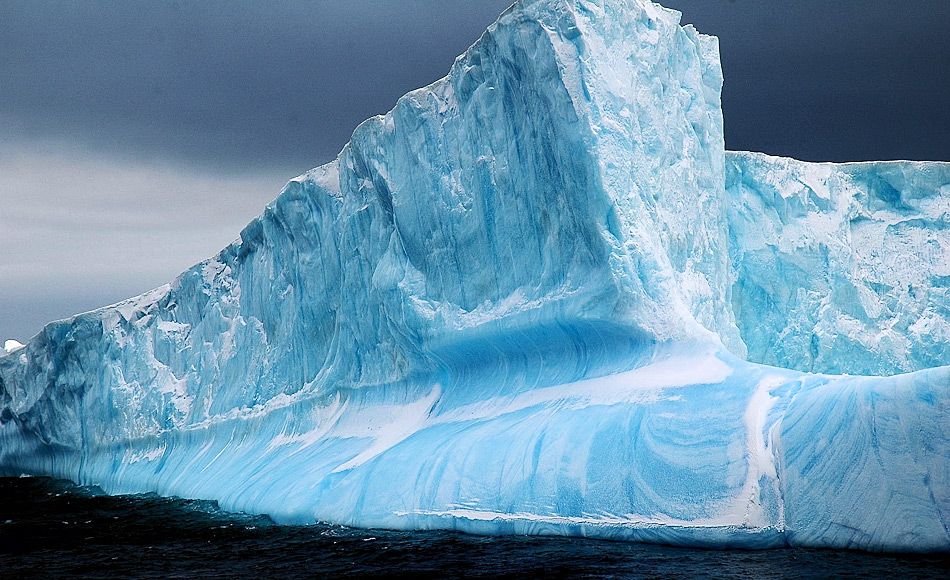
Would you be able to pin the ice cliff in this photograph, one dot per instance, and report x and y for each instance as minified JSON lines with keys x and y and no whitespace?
{"x":841,"y":268}
{"x":539,"y":297}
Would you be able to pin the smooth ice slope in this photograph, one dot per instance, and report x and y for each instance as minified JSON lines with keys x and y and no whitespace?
{"x":506,"y":307}
{"x":841,"y":268}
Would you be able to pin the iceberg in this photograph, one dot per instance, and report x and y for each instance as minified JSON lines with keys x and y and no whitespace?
{"x":539,"y":297}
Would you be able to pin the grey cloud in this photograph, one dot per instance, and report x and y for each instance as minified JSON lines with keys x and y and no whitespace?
{"x":233,"y":85}
{"x":246,"y":84}
{"x":78,"y":232}
{"x":833,"y":81}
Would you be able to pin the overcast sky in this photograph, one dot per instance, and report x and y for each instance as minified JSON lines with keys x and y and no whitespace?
{"x":137,"y":138}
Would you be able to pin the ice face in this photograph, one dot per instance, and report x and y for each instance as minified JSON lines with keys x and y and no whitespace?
{"x":841,"y":268}
{"x":510,"y":305}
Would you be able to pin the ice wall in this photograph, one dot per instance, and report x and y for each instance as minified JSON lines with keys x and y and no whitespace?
{"x":841,"y":268}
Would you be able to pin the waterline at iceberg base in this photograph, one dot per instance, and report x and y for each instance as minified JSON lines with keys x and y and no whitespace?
{"x":540,"y":297}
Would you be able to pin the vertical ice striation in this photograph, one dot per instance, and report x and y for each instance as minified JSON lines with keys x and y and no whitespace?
{"x":519,"y":303}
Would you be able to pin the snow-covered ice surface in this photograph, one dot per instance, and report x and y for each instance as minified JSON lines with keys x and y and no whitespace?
{"x":11,"y":345}
{"x":523,"y":302}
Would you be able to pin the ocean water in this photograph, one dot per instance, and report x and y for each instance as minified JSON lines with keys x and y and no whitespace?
{"x":53,"y":528}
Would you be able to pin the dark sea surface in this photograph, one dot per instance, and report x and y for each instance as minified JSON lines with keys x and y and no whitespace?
{"x":50,"y":528}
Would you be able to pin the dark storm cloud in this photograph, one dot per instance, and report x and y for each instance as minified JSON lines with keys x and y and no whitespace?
{"x":833,"y":80}
{"x":239,"y":85}
{"x":236,"y":85}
